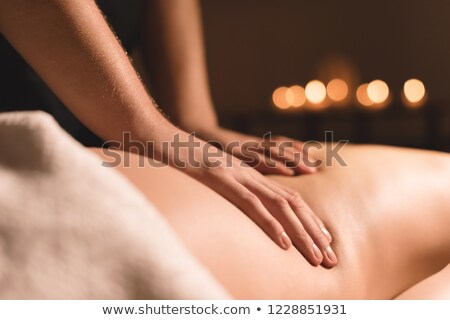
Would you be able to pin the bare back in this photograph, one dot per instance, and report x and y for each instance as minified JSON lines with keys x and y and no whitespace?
{"x":387,"y":211}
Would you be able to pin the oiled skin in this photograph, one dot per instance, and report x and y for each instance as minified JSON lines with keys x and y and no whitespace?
{"x":436,"y":287}
{"x":388,"y":211}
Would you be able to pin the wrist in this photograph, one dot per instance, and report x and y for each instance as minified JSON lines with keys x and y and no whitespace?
{"x":195,"y":115}
{"x":179,"y":149}
{"x":199,"y":124}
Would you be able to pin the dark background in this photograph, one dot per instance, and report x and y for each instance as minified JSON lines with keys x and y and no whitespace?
{"x":255,"y":46}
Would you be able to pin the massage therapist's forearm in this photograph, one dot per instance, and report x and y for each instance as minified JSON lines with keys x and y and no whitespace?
{"x":173,"y":48}
{"x":71,"y":47}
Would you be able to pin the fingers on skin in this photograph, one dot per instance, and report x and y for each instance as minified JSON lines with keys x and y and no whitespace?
{"x":281,"y":214}
{"x":252,"y":206}
{"x":293,"y":155}
{"x":297,"y":144}
{"x":278,"y":169}
{"x":289,"y":160}
{"x":266,"y":165}
{"x":300,"y":162}
{"x":311,"y":223}
{"x":323,"y":228}
{"x":279,"y":207}
{"x":305,"y":214}
{"x":311,"y":161}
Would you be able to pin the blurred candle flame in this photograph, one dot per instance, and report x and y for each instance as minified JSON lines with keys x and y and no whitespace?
{"x":414,"y":93}
{"x":362,"y":96}
{"x":279,"y":98}
{"x":337,"y":90}
{"x":315,"y":92}
{"x":298,"y":96}
{"x":378,"y":91}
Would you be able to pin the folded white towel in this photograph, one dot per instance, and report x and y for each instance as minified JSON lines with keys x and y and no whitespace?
{"x":71,"y":229}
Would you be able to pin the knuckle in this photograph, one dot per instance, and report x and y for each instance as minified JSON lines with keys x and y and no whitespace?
{"x":250,"y":198}
{"x":216,"y":168}
{"x":279,"y":200}
{"x":318,"y":236}
{"x":301,"y":235}
{"x":296,"y":200}
{"x":270,"y":224}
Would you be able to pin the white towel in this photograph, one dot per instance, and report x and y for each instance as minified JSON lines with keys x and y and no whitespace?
{"x":71,"y":229}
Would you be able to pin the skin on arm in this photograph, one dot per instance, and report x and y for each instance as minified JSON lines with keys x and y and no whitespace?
{"x":70,"y":45}
{"x":174,"y":55}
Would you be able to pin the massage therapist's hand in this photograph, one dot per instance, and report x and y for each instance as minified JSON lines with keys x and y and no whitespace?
{"x":271,"y":155}
{"x":70,"y":45}
{"x":280,"y":212}
{"x":176,"y":59}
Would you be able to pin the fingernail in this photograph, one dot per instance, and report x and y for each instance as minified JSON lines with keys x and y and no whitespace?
{"x":285,"y":240}
{"x":288,"y":171}
{"x":327,"y":234}
{"x":307,"y":169}
{"x":292,"y":172}
{"x":317,"y":252}
{"x":330,"y":254}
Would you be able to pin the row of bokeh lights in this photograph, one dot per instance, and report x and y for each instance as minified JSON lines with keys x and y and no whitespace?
{"x":374,"y":95}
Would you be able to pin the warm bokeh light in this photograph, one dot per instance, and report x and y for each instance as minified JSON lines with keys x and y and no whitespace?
{"x":362,"y":96}
{"x":296,"y":96}
{"x":315,"y":92}
{"x":337,"y":90}
{"x":378,"y":91}
{"x":289,"y":96}
{"x":414,"y":91}
{"x":279,"y":98}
